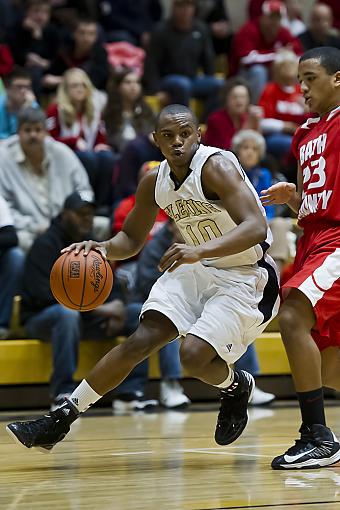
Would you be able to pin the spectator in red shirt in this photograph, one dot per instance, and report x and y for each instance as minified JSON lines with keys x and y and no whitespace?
{"x":282,"y":105}
{"x":75,"y":119}
{"x":256,"y":43}
{"x":236,"y":114}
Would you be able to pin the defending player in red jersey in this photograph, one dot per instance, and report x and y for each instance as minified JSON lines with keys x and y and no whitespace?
{"x":310,"y":314}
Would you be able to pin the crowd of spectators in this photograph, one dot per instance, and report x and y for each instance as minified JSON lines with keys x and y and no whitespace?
{"x":81,"y":84}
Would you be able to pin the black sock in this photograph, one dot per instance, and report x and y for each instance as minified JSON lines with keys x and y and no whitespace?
{"x":312,"y":407}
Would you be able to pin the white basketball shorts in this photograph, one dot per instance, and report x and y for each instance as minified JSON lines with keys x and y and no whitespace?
{"x":228,"y":308}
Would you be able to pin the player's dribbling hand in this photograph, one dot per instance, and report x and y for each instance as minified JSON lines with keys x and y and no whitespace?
{"x":279,"y":193}
{"x":86,"y":246}
{"x":177,"y":255}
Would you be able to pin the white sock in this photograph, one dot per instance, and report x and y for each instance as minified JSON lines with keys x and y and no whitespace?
{"x":84,"y":396}
{"x":229,"y":380}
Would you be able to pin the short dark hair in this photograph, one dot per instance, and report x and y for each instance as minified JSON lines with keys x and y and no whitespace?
{"x":31,"y":115}
{"x":16,"y":73}
{"x":328,"y":56}
{"x":174,"y":109}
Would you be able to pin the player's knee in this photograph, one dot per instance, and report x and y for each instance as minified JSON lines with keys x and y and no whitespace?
{"x":191,"y":358}
{"x":288,"y":320}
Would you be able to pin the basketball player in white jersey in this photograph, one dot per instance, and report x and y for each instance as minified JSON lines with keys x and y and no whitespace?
{"x":218,"y":290}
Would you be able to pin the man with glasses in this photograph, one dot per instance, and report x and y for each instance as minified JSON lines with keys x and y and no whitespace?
{"x":18,"y":95}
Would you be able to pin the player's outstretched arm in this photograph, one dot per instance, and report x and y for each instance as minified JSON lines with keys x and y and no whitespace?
{"x":136,"y":227}
{"x":284,"y":193}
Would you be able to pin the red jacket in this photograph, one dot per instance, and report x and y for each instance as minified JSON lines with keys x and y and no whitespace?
{"x":93,"y":134}
{"x":221,"y":129}
{"x":280,"y":104}
{"x":250,"y":47}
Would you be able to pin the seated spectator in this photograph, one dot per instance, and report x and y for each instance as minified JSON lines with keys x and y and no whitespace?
{"x":37,"y":173}
{"x":34,"y":41}
{"x":214,"y":14}
{"x":136,"y":153}
{"x":292,"y":18}
{"x":128,"y":20}
{"x":84,"y":51}
{"x":127,"y":115}
{"x":250,"y":147}
{"x":75,"y":119}
{"x":236,"y":114}
{"x":171,"y":393}
{"x":255,"y":45}
{"x":11,"y":266}
{"x":48,"y":320}
{"x":282,"y":104}
{"x":320,"y":31}
{"x":18,"y":95}
{"x":179,"y":48}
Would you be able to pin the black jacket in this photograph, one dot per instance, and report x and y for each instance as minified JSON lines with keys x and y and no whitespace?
{"x":36,"y":292}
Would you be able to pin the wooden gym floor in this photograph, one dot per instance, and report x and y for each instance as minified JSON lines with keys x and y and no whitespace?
{"x":166,"y":461}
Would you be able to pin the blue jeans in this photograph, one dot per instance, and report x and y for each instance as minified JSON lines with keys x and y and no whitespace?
{"x":63,"y":328}
{"x":181,"y":89}
{"x":99,"y":166}
{"x":11,"y":267}
{"x":169,"y":360}
{"x":248,"y":361}
{"x":278,"y":144}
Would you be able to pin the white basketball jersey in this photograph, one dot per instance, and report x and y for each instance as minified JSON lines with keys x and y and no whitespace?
{"x":198,"y":219}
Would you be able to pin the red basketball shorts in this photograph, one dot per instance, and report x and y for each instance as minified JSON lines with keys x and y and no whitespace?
{"x":317,"y":275}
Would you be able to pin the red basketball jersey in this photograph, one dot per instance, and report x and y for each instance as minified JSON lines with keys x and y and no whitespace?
{"x":316,"y":146}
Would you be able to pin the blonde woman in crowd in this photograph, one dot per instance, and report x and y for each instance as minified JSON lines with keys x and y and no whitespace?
{"x":75,"y":119}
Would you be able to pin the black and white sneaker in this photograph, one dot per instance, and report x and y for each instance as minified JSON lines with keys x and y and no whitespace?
{"x":44,"y":432}
{"x":233,"y":415}
{"x":317,"y":447}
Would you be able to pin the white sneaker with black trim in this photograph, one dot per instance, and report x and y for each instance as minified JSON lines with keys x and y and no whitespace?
{"x":317,"y":447}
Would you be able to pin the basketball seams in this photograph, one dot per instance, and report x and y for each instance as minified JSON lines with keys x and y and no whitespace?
{"x":90,"y":303}
{"x":63,"y":282}
{"x":84,"y":283}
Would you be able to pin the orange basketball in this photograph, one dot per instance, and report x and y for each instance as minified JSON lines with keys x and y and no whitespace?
{"x":81,"y":283}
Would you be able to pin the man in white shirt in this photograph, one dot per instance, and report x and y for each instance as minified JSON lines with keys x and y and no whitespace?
{"x":37,"y":173}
